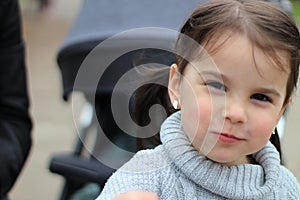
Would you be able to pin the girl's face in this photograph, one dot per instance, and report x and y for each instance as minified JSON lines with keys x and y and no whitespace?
{"x":230,"y":108}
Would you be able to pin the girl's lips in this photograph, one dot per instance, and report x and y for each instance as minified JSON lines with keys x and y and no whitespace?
{"x":229,"y":138}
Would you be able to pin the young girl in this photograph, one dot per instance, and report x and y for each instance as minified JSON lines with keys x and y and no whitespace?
{"x":216,"y":146}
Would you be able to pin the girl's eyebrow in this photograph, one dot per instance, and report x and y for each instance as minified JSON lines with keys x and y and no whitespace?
{"x":220,"y":76}
{"x":269,"y":91}
{"x":215,"y":74}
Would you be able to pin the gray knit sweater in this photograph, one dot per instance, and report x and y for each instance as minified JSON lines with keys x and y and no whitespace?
{"x":176,"y":171}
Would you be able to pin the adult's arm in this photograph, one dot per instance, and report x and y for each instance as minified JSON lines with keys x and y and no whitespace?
{"x":15,"y":121}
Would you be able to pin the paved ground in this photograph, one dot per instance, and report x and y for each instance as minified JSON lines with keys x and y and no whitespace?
{"x":54,"y":127}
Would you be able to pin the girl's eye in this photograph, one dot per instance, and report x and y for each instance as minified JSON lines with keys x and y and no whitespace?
{"x":261,"y":97}
{"x":216,"y":85}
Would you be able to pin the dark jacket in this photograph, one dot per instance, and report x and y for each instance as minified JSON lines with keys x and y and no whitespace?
{"x":15,"y":121}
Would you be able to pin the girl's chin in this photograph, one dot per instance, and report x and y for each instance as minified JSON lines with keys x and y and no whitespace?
{"x":219,"y":156}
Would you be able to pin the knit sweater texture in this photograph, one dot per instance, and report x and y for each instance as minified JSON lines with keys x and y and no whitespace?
{"x":176,"y":171}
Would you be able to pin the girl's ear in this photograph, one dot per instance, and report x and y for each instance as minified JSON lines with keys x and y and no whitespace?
{"x":174,"y":86}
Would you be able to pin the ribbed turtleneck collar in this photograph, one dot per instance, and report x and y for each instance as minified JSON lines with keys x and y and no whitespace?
{"x":245,"y":181}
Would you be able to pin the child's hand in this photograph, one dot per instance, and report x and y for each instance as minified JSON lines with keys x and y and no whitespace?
{"x":137,"y":195}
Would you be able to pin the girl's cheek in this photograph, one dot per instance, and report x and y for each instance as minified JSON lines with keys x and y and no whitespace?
{"x":202,"y":115}
{"x":263,"y":122}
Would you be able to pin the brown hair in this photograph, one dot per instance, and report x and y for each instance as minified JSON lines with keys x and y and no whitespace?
{"x":267,"y":27}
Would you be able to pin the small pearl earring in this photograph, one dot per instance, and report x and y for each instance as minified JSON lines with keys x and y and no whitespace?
{"x":175,"y":104}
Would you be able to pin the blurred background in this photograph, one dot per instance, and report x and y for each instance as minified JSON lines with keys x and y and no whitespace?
{"x":44,"y":28}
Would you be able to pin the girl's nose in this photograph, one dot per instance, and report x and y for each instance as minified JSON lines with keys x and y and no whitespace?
{"x":235,"y":111}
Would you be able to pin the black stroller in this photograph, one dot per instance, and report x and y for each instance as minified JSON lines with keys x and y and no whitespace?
{"x":95,"y":73}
